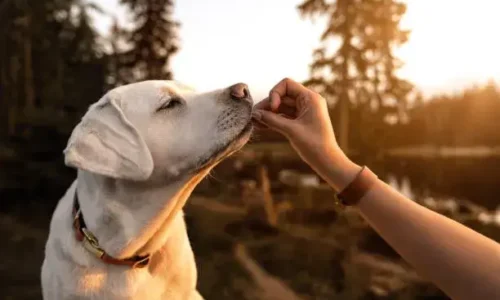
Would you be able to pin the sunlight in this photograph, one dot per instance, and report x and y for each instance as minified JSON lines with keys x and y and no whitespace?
{"x":452,"y":42}
{"x":370,"y":181}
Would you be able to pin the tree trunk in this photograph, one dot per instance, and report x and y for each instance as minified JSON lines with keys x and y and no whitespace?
{"x":59,"y":92}
{"x":29,"y":89}
{"x":4,"y":88}
{"x":344,"y":101}
{"x":4,"y":91}
{"x":14,"y":95}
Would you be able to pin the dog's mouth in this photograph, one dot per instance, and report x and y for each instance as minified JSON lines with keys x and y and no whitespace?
{"x":226,"y":150}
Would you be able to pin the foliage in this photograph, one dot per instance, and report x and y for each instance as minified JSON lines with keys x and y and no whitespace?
{"x":54,"y":65}
{"x":152,"y":42}
{"x":51,"y":62}
{"x":361,"y":73}
{"x":469,"y":118}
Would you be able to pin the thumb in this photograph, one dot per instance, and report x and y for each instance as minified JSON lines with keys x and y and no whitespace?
{"x":273,"y":121}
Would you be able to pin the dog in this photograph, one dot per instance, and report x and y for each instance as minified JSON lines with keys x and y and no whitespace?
{"x":118,"y":232}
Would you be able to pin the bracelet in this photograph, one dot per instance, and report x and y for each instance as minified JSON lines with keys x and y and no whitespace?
{"x":357,"y":189}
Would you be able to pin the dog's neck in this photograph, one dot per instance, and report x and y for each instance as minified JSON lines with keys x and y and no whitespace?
{"x":130,"y":218}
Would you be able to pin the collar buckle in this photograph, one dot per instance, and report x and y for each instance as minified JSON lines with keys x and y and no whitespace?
{"x":91,"y":244}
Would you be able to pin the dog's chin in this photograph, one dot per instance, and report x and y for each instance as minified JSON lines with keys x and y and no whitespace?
{"x":222,"y":152}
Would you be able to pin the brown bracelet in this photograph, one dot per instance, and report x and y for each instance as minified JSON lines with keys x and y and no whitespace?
{"x":352,"y":194}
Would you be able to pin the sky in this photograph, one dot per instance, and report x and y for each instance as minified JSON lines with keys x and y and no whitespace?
{"x":259,"y":42}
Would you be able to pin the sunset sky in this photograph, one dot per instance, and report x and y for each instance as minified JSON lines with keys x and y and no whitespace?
{"x":453,"y":43}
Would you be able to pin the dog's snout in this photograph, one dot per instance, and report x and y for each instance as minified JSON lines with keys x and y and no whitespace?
{"x":239,"y":91}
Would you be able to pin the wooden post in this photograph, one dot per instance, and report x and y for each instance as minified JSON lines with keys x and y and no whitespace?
{"x":28,"y":66}
{"x":267,"y":196}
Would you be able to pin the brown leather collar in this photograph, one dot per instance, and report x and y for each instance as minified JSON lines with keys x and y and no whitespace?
{"x":91,"y":243}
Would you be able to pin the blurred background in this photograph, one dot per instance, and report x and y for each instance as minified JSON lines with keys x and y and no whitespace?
{"x":413,"y":88}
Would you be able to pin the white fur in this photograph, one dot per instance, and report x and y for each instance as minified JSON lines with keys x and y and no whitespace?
{"x":136,"y":168}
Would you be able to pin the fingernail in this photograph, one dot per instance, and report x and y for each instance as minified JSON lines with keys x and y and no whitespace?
{"x":257,"y":115}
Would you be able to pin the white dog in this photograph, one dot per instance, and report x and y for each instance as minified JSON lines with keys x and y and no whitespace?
{"x":119,"y":232}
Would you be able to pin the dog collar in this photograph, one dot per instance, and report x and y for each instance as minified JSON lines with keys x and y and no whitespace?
{"x":91,"y":243}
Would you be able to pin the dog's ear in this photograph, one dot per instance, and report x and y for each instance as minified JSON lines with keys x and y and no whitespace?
{"x":106,"y":143}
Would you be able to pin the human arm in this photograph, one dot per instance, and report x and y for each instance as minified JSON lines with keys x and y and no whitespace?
{"x":461,"y":262}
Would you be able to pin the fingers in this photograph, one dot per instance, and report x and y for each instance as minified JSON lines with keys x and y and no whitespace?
{"x":286,"y":87}
{"x":274,"y":121}
{"x":288,"y":111}
{"x":284,"y":109}
{"x":259,"y":125}
{"x":282,"y":106}
{"x":289,"y":101}
{"x":266,"y":104}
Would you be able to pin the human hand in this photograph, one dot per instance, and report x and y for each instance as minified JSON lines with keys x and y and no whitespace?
{"x":301,"y":115}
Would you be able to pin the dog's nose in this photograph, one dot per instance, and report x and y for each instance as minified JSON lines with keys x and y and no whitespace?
{"x":239,"y":91}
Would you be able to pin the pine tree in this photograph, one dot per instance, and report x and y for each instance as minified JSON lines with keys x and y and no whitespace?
{"x":84,"y":44}
{"x":361,"y":72}
{"x":85,"y":57}
{"x":117,"y":74}
{"x":153,"y":42}
{"x":379,"y":38}
{"x":50,"y":61}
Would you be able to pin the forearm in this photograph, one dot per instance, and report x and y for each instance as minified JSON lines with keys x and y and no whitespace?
{"x":463,"y":263}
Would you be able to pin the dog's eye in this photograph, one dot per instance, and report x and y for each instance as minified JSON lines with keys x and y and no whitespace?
{"x":173,"y":102}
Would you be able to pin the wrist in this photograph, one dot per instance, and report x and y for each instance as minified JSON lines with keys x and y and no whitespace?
{"x":340,"y":170}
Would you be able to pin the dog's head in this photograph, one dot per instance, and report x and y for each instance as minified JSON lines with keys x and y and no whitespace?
{"x":160,"y":129}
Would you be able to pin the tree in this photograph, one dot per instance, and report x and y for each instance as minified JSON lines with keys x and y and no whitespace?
{"x":360,"y":73}
{"x":84,"y":45}
{"x":462,"y":119}
{"x":153,"y":41}
{"x":50,"y":62}
{"x":379,"y":38}
{"x":117,"y":74}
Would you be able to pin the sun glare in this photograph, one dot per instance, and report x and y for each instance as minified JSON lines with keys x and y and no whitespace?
{"x":453,"y":42}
